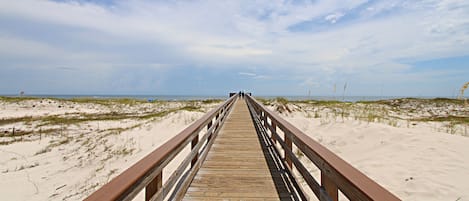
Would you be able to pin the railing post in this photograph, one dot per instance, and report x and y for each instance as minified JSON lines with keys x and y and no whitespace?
{"x":209,"y":125}
{"x":194,"y":143}
{"x":274,"y":131}
{"x":262,"y":116}
{"x":329,"y":186}
{"x":153,"y":187}
{"x":288,"y":141}
{"x":216,"y":117}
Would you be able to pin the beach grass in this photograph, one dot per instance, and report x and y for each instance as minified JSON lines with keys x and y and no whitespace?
{"x":34,"y":127}
{"x":449,"y":113}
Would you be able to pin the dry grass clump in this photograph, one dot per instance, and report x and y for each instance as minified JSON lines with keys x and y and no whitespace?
{"x":16,"y":99}
{"x":461,"y":92}
{"x":463,"y":88}
{"x":135,"y":112}
{"x":450,"y":114}
{"x":107,"y":102}
{"x":211,"y":101}
{"x":281,"y":105}
{"x":282,"y":100}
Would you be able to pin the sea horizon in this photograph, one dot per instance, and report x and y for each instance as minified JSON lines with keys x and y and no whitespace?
{"x":205,"y":97}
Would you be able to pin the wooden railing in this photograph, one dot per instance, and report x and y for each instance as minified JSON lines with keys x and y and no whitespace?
{"x":148,"y":172}
{"x":336,"y":174}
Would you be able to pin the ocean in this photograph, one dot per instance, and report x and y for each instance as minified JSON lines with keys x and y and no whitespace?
{"x":192,"y":97}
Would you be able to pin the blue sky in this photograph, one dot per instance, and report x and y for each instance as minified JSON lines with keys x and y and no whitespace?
{"x":269,"y":47}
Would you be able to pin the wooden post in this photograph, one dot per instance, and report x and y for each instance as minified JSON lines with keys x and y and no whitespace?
{"x":329,"y":186}
{"x":194,"y":143}
{"x":153,"y":187}
{"x":274,"y":131}
{"x":209,"y":125}
{"x":262,"y":116}
{"x":288,"y":141}
{"x":216,"y":117}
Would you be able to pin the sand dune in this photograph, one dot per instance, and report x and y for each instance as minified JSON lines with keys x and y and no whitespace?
{"x":416,"y":160}
{"x":72,"y":163}
{"x":416,"y":163}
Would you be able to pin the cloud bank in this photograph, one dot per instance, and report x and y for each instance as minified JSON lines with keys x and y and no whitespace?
{"x":142,"y":46}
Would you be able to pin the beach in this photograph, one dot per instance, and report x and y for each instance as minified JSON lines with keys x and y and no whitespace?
{"x":65,"y":149}
{"x":417,"y":149}
{"x":90,"y":87}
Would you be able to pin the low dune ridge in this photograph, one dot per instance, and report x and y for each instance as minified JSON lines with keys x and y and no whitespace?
{"x":67,"y":149}
{"x":415,"y":148}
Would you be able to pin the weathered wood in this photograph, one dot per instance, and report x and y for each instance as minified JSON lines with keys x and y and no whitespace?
{"x":288,"y":142}
{"x":177,"y":174}
{"x":354,"y":184}
{"x":239,"y":164}
{"x":329,"y":186}
{"x":179,"y":192}
{"x":194,"y":143}
{"x":309,"y":179}
{"x":235,"y":167}
{"x":273,"y":130}
{"x":128,"y":184}
{"x":153,"y":186}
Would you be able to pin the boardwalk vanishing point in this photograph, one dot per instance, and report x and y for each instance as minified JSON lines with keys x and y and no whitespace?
{"x":236,"y":166}
{"x":242,"y":151}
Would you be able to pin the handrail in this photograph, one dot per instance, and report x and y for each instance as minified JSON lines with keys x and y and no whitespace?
{"x":147,"y":172}
{"x":336,"y":174}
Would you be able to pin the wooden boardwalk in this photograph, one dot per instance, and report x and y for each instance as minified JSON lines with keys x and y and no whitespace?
{"x":242,"y":163}
{"x":239,"y":165}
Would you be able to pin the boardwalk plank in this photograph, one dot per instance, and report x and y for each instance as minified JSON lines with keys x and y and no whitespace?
{"x":236,"y":167}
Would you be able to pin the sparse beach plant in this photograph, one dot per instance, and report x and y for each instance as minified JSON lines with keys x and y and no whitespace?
{"x":463,"y":88}
{"x":42,"y":151}
{"x":99,"y":168}
{"x":281,"y":100}
{"x":451,"y":127}
{"x":299,"y":153}
{"x":393,"y":122}
{"x":191,"y":108}
{"x":210,"y":101}
{"x":263,"y":101}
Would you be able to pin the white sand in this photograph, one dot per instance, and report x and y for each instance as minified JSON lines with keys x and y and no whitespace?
{"x":413,"y":163}
{"x":91,"y":157}
{"x":421,"y":162}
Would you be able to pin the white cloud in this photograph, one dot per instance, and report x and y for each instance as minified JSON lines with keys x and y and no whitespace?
{"x":241,"y":33}
{"x":229,"y":52}
{"x":333,"y":18}
{"x":254,"y":75}
{"x":310,"y":82}
{"x":247,"y":74}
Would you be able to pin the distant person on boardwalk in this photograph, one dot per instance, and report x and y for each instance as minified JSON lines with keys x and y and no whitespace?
{"x":241,"y":94}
